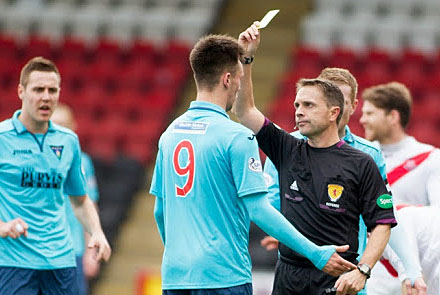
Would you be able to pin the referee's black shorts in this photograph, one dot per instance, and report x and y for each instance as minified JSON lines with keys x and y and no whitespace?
{"x":300,"y":279}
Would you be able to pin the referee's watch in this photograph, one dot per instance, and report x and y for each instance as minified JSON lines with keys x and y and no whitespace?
{"x":364,"y":269}
{"x":247,"y":60}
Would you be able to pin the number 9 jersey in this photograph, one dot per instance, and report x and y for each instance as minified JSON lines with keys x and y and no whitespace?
{"x":205,"y":164}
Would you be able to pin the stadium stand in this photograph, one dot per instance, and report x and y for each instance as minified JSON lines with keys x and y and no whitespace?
{"x":123,"y":65}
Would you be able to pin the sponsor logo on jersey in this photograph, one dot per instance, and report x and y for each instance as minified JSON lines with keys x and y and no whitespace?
{"x":255,"y":164}
{"x":251,"y":137}
{"x":294,"y":186}
{"x":334,"y":191}
{"x":37,"y":179}
{"x":190,"y":127}
{"x":410,"y":165}
{"x":21,"y":152}
{"x":57,"y":150}
{"x":385,"y":201}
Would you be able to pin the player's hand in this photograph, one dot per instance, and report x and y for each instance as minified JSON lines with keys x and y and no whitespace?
{"x":337,"y":265}
{"x":419,"y":287}
{"x":90,"y":265}
{"x":350,"y":283}
{"x":250,"y":39}
{"x":269,"y":243}
{"x":13,"y":228}
{"x":99,"y":242}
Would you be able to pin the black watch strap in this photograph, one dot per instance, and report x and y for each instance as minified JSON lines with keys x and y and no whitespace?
{"x":364,"y":269}
{"x":247,"y":60}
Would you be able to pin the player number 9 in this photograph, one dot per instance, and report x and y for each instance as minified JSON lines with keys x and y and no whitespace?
{"x":187,"y":170}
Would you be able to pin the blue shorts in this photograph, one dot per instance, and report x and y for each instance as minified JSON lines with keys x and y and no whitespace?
{"x":24,"y":281}
{"x":245,"y":289}
{"x":81,"y":278}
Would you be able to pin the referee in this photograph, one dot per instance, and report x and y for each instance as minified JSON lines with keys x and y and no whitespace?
{"x":325,"y":184}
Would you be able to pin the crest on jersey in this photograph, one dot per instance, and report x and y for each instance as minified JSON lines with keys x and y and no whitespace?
{"x":255,"y":164}
{"x":334,"y":191}
{"x":57,"y":150}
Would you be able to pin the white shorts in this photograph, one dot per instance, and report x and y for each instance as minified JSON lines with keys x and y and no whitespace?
{"x":382,"y":283}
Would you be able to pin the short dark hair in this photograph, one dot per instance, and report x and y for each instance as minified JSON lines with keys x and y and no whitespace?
{"x":37,"y":64}
{"x":339,"y":75}
{"x":391,"y":96}
{"x":213,"y":55}
{"x":331,"y":92}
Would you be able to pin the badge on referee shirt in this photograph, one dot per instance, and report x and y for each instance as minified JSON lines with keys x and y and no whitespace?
{"x":334,"y":191}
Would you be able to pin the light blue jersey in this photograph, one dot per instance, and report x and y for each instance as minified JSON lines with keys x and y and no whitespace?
{"x":34,"y":171}
{"x":75,"y":226}
{"x":272,"y":181}
{"x":206,"y":163}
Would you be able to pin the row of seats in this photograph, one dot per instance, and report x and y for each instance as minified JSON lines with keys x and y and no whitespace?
{"x":365,"y":30}
{"x":374,"y":66}
{"x":414,"y":8}
{"x":365,"y":26}
{"x":114,"y":4}
{"x":122,"y":99}
{"x":97,"y":20}
{"x":108,"y":49}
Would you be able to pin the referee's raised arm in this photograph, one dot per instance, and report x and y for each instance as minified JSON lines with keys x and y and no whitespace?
{"x":244,"y":106}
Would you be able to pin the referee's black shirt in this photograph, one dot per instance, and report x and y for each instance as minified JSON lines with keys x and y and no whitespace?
{"x":324,"y":190}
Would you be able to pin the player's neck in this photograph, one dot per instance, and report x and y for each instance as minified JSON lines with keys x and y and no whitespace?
{"x":341,"y":132}
{"x":31,"y":125}
{"x":325,"y":139}
{"x":212,"y":97}
{"x":397,"y":135}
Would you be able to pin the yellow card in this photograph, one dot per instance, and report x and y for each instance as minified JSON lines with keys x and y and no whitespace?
{"x":267,"y":18}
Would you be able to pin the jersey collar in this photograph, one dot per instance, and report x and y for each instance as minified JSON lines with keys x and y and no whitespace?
{"x":348,"y":135}
{"x":203,"y":105}
{"x":21,"y":128}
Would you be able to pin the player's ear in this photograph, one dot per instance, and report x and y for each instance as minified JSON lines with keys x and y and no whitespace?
{"x":334,"y":113}
{"x":395,"y":117}
{"x":20,"y":90}
{"x":226,"y":79}
{"x":354,"y":105}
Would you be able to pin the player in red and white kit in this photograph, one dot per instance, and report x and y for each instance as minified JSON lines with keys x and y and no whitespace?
{"x":421,"y":223}
{"x":412,"y":166}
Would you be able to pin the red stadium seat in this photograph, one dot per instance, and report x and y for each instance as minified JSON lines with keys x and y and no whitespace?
{"x":108,"y":48}
{"x":344,"y":58}
{"x":104,"y":69}
{"x":412,"y":75}
{"x":177,"y":52}
{"x":39,"y":46}
{"x":74,"y":48}
{"x":373,"y":74}
{"x":415,"y":57}
{"x":307,"y":55}
{"x":138,"y":73}
{"x":378,"y":56}
{"x":142,"y":49}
